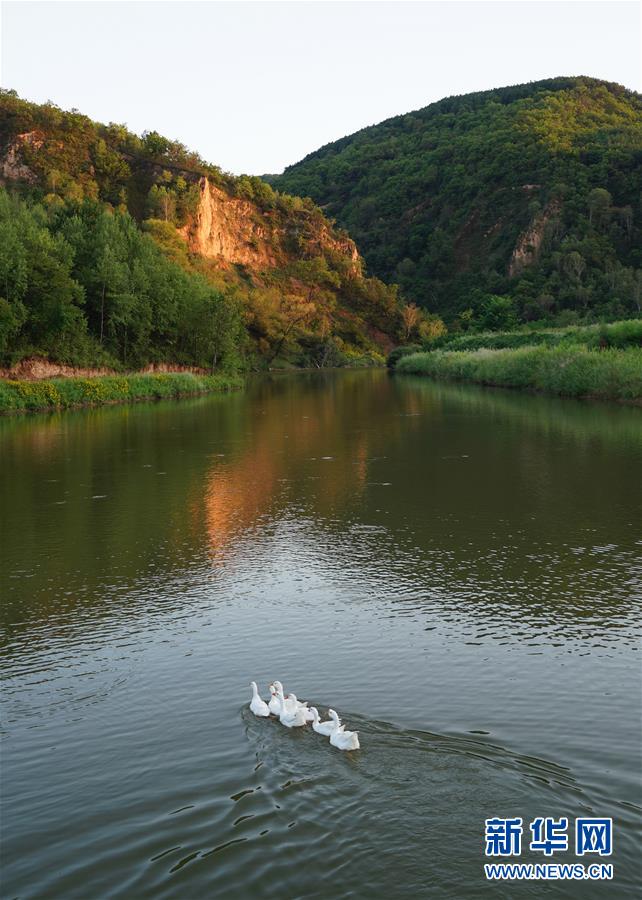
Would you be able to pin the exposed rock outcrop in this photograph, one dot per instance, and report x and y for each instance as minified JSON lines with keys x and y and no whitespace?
{"x":229,"y":229}
{"x":36,"y":368}
{"x":13,"y":168}
{"x":233,"y":230}
{"x":529,"y":243}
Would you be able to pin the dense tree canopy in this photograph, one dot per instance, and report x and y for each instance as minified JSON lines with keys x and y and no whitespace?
{"x":529,"y":193}
{"x":102,"y":208}
{"x":85,"y":285}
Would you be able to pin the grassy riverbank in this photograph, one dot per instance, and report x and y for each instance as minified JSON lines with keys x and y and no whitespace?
{"x":572,"y":371}
{"x":66,"y":393}
{"x":621,"y":334}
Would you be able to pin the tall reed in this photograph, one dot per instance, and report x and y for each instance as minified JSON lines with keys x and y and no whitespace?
{"x":572,"y":371}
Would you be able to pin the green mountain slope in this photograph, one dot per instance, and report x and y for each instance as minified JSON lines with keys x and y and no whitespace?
{"x":521,"y":203}
{"x":124,"y":250}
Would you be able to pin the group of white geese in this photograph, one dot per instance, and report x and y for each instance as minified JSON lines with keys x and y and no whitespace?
{"x":292,"y":713}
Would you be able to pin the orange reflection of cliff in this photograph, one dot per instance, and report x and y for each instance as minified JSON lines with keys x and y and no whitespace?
{"x":299,"y":434}
{"x":236,"y":496}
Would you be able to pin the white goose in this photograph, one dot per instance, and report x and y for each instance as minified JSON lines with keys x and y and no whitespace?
{"x":320,"y":727}
{"x":288,"y":702}
{"x":340,"y":738}
{"x":259,"y":707}
{"x":307,"y":712}
{"x":292,"y":715}
{"x":275,"y":704}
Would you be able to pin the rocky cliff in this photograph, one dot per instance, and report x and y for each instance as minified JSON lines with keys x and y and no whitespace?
{"x":529,"y":244}
{"x":232,"y":230}
{"x":13,"y":168}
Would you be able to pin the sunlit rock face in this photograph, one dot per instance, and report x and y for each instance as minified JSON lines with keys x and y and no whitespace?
{"x":232,"y":230}
{"x":236,"y":231}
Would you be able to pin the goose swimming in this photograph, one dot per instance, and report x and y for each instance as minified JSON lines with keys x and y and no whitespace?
{"x":320,"y":727}
{"x":258,"y":707}
{"x":288,"y":701}
{"x":340,"y":738}
{"x":292,"y":715}
{"x":307,"y":712}
{"x":286,"y":704}
{"x":275,"y":704}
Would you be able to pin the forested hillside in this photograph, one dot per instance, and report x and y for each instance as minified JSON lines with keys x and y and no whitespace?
{"x":123,"y":250}
{"x":517,"y":204}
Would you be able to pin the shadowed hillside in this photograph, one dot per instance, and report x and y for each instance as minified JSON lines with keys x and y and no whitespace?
{"x":510,"y":205}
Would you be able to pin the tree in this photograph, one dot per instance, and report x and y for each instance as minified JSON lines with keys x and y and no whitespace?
{"x":161,"y":203}
{"x":53,"y":298}
{"x":626,"y":217}
{"x":53,"y":180}
{"x":637,"y":288}
{"x":574,"y":265}
{"x":410,"y":317}
{"x":431,"y":328}
{"x":465,"y":320}
{"x":12,"y":318}
{"x":155,"y":144}
{"x":599,"y":204}
{"x":111,"y":275}
{"x":498,"y":313}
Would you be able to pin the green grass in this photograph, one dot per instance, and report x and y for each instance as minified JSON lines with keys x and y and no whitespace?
{"x":572,"y":371}
{"x":65,"y":393}
{"x":626,"y":333}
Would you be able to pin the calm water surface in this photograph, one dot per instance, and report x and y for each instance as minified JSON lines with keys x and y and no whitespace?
{"x":453,"y":569}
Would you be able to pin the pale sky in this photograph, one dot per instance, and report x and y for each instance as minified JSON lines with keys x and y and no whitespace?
{"x":254,"y":86}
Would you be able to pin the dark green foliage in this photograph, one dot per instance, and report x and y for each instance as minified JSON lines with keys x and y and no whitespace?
{"x":83,"y":285}
{"x":617,"y":334}
{"x":438,"y":200}
{"x":399,"y":352}
{"x":63,"y":393}
{"x":497,"y":312}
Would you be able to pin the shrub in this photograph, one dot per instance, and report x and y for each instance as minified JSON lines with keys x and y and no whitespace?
{"x":618,"y":334}
{"x":399,"y":352}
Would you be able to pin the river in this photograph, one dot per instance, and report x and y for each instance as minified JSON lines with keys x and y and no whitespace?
{"x":454,"y":569}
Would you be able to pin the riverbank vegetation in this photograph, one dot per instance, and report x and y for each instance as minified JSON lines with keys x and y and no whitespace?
{"x":596,"y":361}
{"x":627,"y":333}
{"x":573,"y":371}
{"x":66,"y":393}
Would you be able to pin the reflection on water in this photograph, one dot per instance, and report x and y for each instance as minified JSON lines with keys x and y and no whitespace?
{"x":455,"y":569}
